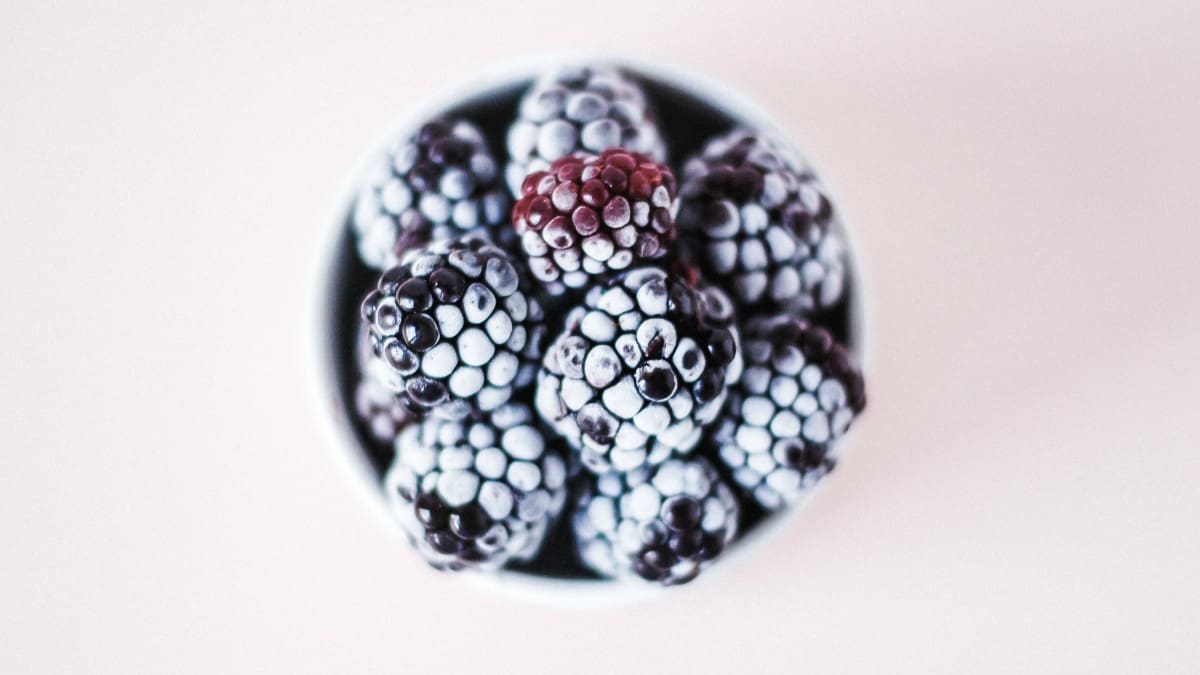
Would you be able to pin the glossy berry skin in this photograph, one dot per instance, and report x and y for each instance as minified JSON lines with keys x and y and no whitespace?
{"x":661,"y":524}
{"x":435,"y":184}
{"x":578,"y":110}
{"x":761,"y":225}
{"x":588,"y":216}
{"x":476,"y":493}
{"x":783,"y":420}
{"x":453,"y":328}
{"x":639,"y":369}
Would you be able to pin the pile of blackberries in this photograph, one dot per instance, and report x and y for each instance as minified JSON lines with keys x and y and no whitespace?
{"x":599,"y":338}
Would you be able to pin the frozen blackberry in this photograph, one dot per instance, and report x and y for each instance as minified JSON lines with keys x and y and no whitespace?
{"x":639,"y":368}
{"x":453,"y":328}
{"x":663,"y":524}
{"x":783,"y":420}
{"x":761,"y":225}
{"x":383,"y":411}
{"x":588,"y":109}
{"x":586,"y":216}
{"x":436,"y":184}
{"x":477,"y":493}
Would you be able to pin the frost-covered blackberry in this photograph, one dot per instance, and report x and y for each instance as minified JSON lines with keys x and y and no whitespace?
{"x":797,"y":397}
{"x":586,"y":216}
{"x":453,"y":328}
{"x":639,"y":368}
{"x":663,"y":524}
{"x":476,"y":493}
{"x":761,"y":224}
{"x":383,"y":411}
{"x":438,"y":183}
{"x":579,"y":109}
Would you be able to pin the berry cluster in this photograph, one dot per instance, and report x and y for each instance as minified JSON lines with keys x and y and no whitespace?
{"x":453,"y":328}
{"x":579,"y":110}
{"x":797,"y":397}
{"x":639,"y":369}
{"x":661,"y":524}
{"x":587,"y":216}
{"x":761,"y":225}
{"x":494,"y":355}
{"x":476,"y":492}
{"x":438,"y":183}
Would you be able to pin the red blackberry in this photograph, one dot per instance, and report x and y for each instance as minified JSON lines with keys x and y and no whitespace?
{"x":586,"y":216}
{"x":782,"y":422}
{"x":761,"y":224}
{"x":453,"y":328}
{"x":438,"y":183}
{"x":476,"y":493}
{"x":639,"y":369}
{"x":663,"y":524}
{"x":588,"y":110}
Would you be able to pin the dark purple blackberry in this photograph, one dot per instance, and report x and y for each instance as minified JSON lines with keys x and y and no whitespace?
{"x":663,"y":524}
{"x":438,"y":183}
{"x":782,"y":422}
{"x":453,"y":328}
{"x":476,"y":493}
{"x":639,"y":368}
{"x":761,"y":225}
{"x":383,"y":411}
{"x":588,"y":109}
{"x":586,"y":216}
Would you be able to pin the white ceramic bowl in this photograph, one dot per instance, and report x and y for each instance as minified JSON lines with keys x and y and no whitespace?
{"x":322,"y":328}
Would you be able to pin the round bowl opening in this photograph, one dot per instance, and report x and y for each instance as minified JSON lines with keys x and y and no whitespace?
{"x":689,"y":111}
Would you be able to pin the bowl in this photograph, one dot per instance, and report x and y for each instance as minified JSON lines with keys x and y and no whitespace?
{"x":689,"y":110}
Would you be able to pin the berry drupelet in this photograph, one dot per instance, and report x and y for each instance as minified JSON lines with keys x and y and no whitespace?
{"x":586,"y":216}
{"x":640,"y":367}
{"x":453,"y":328}
{"x":783,"y":420}
{"x":436,"y":184}
{"x":761,"y":225}
{"x":588,"y":109}
{"x":478,"y":492}
{"x":663,"y":524}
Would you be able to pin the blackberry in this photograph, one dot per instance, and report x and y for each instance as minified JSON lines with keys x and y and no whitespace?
{"x":383,"y":411}
{"x":639,"y":368}
{"x":453,"y":328}
{"x":663,"y":524}
{"x":436,"y":184}
{"x":374,"y":403}
{"x":585,"y":216}
{"x":478,"y":493}
{"x":783,"y":420}
{"x":588,"y":109}
{"x":761,"y":224}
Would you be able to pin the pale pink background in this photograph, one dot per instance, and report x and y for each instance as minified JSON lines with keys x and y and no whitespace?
{"x":1023,"y":181}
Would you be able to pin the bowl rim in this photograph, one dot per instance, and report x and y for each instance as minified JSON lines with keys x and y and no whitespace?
{"x":321,"y":354}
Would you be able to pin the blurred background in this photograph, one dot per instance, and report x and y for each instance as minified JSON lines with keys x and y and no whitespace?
{"x":1022,"y":182}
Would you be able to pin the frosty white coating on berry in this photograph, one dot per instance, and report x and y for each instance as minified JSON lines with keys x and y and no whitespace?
{"x":453,"y":328}
{"x":761,"y":225}
{"x":639,"y":369}
{"x":476,"y":493}
{"x":435,"y":184}
{"x":589,"y":216}
{"x":579,"y":109}
{"x":797,"y":397}
{"x":663,"y":524}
